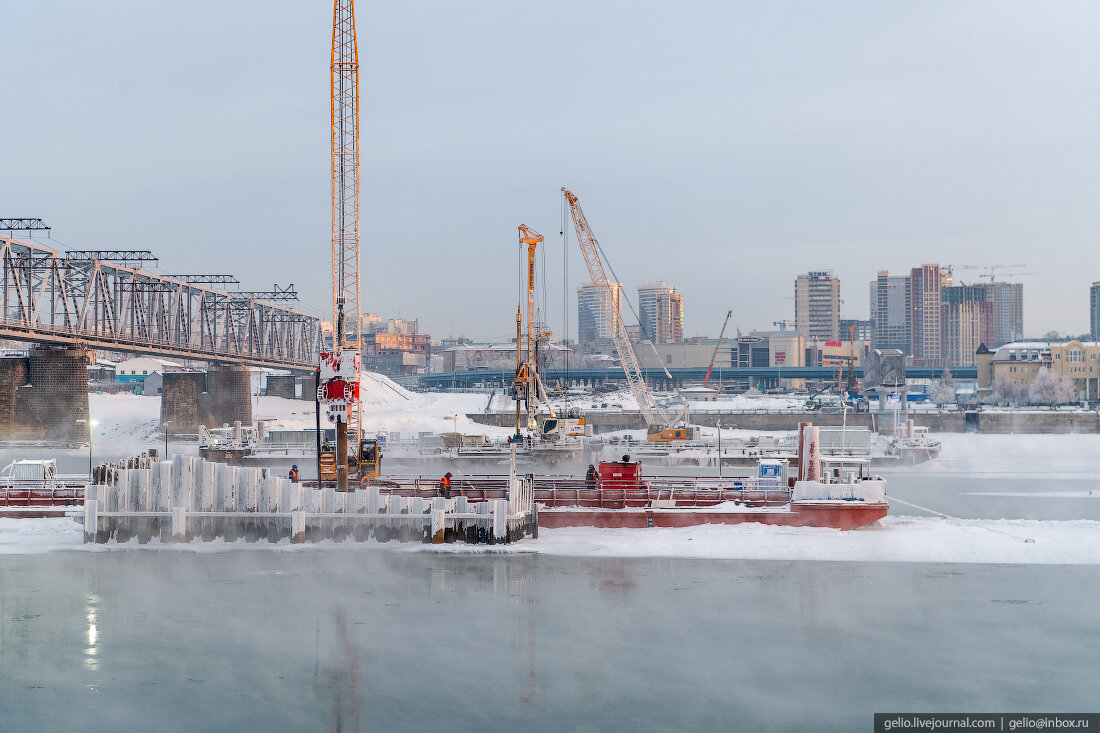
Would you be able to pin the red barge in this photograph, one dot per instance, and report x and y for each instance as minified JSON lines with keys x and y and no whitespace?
{"x":824,"y":492}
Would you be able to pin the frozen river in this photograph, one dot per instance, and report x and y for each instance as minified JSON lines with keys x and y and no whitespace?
{"x":577,"y":636}
{"x":140,"y":640}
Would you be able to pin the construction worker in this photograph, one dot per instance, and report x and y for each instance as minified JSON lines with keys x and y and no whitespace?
{"x":445,"y":486}
{"x":294,"y":474}
{"x":590,"y":477}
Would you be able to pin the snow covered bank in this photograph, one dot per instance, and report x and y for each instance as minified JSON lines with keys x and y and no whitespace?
{"x":893,"y":539}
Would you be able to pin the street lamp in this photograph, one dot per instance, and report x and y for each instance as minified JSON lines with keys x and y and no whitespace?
{"x":455,"y":419}
{"x":719,"y":448}
{"x":91,"y":426}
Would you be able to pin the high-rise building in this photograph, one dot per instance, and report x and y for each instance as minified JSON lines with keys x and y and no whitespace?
{"x":817,"y":305}
{"x":890,"y":311}
{"x":1008,"y":312}
{"x":1094,"y":311}
{"x":591,"y":324}
{"x":926,"y":283}
{"x":966,"y":322}
{"x":661,"y":312}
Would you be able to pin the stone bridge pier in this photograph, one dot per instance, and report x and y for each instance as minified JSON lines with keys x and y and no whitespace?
{"x":44,"y":395}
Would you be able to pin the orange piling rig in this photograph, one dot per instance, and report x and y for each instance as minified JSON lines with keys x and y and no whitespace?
{"x":341,"y":367}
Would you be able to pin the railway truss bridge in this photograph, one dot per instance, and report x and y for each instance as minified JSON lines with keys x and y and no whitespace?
{"x":96,"y":300}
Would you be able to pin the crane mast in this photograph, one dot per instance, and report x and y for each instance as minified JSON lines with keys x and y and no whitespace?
{"x":340,"y":368}
{"x":647,"y":405}
{"x":528,"y":385}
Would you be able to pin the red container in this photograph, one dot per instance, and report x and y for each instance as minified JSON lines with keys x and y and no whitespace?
{"x":619,"y":476}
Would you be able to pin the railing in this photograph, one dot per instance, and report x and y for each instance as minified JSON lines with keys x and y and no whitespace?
{"x":63,"y":491}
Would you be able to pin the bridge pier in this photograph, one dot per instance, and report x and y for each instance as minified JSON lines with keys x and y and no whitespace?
{"x":44,"y":395}
{"x":179,"y":401}
{"x":222,"y":395}
{"x":229,"y":394}
{"x":281,"y":385}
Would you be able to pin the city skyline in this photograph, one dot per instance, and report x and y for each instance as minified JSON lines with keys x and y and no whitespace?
{"x":761,"y":153}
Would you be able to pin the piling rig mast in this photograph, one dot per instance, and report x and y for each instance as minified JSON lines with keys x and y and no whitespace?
{"x":657,"y":421}
{"x":528,"y":385}
{"x":339,"y":369}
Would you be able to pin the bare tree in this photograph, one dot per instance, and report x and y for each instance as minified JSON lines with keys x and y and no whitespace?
{"x":1008,"y":393}
{"x":942,"y":391}
{"x":1050,"y":389}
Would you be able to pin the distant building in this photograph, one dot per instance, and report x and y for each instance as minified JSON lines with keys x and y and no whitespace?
{"x":1008,"y":312}
{"x":136,"y":370}
{"x":591,"y":324}
{"x":860,"y":329}
{"x":374,"y":323}
{"x":480,"y":357}
{"x":925,"y":322}
{"x":966,"y":322}
{"x":817,"y":305}
{"x":153,"y":384}
{"x":890,"y":311}
{"x":695,"y":354}
{"x":1017,"y":363}
{"x":1094,"y":311}
{"x":397,"y":354}
{"x":661,"y":313}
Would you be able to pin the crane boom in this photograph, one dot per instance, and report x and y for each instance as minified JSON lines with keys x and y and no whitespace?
{"x":647,"y":405}
{"x":717,"y":346}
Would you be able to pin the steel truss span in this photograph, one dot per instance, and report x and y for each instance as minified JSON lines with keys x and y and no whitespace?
{"x":103,"y":305}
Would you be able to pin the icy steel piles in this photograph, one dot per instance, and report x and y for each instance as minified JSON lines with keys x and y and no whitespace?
{"x":188,"y":499}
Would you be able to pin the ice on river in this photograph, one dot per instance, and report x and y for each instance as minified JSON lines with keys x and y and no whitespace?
{"x":893,"y":539}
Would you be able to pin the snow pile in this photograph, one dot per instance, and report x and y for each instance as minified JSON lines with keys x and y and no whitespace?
{"x":134,"y":420}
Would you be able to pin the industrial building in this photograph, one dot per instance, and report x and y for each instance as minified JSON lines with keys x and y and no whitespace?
{"x":817,"y":305}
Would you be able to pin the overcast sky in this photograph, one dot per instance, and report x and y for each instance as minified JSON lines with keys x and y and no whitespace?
{"x":724,"y":147}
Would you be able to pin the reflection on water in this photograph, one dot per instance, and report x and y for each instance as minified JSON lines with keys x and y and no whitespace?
{"x":91,"y":663}
{"x":388,"y":639}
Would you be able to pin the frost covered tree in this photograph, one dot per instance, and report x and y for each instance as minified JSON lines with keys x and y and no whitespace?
{"x":1050,"y":389}
{"x":1008,"y":393}
{"x":942,"y":391}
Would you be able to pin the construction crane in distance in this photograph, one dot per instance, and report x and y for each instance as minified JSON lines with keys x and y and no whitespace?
{"x":659,"y":426}
{"x":717,"y":346}
{"x":526,"y":381}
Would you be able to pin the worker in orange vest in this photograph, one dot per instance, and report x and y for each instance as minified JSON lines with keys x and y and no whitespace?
{"x":294,"y":474}
{"x":445,"y":486}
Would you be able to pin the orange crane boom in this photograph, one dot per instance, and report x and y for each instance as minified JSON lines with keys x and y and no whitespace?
{"x":717,"y":346}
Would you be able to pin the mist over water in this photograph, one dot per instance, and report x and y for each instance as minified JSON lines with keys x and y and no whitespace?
{"x":382,"y":639}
